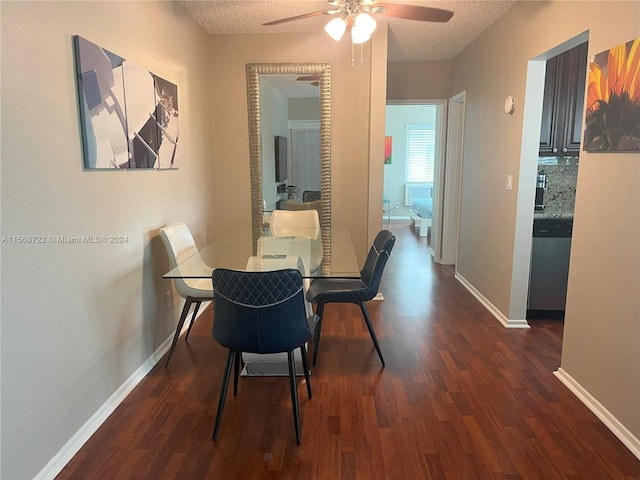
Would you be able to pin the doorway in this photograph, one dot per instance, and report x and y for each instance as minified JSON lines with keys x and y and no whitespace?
{"x":413,"y":173}
{"x":532,"y":117}
{"x":304,"y":155}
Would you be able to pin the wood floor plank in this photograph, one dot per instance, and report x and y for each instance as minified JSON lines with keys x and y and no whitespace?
{"x":461,"y":397}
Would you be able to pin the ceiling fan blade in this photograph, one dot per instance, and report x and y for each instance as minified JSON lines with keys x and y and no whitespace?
{"x":308,"y":78}
{"x":414,"y":12}
{"x":297,"y":17}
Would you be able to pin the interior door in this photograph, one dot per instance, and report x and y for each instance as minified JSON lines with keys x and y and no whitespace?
{"x":446,"y":251}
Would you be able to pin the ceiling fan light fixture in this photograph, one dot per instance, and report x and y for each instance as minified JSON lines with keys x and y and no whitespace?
{"x":336,"y":28}
{"x":359,"y":35}
{"x":365,"y":22}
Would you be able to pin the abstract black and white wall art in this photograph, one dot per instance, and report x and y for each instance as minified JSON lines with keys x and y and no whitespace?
{"x":129,"y":116}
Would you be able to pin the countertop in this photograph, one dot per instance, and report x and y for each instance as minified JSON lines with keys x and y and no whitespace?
{"x":550,"y":212}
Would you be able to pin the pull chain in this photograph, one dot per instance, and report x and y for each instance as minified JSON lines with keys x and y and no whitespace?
{"x":352,"y":52}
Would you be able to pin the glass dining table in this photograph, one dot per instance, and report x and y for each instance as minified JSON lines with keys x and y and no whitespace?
{"x":237,"y":250}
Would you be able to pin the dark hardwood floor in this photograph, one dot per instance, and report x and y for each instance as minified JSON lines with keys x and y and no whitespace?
{"x":461,"y":397}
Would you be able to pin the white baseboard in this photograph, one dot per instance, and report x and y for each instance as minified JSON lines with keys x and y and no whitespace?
{"x":611,"y":422}
{"x":75,"y":443}
{"x":606,"y":417}
{"x":508,"y":323}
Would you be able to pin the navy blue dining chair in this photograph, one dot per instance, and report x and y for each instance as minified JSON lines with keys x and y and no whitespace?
{"x":311,"y":195}
{"x":261,"y":312}
{"x":345,"y":290}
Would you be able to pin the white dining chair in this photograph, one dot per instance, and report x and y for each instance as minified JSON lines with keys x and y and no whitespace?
{"x":300,"y":230}
{"x":181,"y":247}
{"x":295,"y":223}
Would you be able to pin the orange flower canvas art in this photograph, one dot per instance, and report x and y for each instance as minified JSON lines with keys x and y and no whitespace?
{"x":387,"y":150}
{"x":613,"y":100}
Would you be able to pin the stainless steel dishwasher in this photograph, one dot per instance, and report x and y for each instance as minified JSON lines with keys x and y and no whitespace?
{"x":550,"y":253}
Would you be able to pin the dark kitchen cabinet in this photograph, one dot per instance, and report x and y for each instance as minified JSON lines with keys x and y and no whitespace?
{"x":563,"y":102}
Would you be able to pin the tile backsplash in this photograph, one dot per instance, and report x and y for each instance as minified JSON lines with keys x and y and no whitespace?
{"x":562,"y":178}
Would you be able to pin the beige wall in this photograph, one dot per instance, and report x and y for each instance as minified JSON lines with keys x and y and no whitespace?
{"x":602,"y":328}
{"x":79,"y":319}
{"x":418,"y":80}
{"x":351,"y":100}
{"x":304,"y":109}
{"x":377,"y":120}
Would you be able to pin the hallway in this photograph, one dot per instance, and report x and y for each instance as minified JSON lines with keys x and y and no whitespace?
{"x":461,"y":397}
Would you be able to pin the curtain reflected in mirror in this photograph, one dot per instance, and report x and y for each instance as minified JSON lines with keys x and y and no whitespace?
{"x":305,"y":156}
{"x":289,"y":110}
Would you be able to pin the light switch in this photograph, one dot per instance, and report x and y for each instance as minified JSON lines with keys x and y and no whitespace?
{"x":509,"y":182}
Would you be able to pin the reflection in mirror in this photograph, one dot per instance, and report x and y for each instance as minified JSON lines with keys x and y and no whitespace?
{"x":289,"y":136}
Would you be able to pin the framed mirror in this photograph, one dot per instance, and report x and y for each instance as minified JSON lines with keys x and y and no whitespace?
{"x":259,"y":145}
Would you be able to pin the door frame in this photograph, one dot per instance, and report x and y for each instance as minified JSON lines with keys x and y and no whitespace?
{"x":532,"y":116}
{"x":452,"y":181}
{"x":438,"y":175}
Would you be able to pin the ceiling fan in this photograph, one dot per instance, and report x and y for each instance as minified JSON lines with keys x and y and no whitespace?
{"x":312,"y":79}
{"x":355,"y":14}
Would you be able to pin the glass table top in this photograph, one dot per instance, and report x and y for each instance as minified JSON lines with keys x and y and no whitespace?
{"x":235,"y":250}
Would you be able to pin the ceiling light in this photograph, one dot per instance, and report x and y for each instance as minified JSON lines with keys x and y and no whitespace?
{"x":336,"y":28}
{"x":365,"y":22}
{"x":359,"y":35}
{"x":352,"y":15}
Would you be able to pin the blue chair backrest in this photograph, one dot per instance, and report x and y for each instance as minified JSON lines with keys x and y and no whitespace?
{"x":311,"y":195}
{"x":371,"y":273}
{"x":259,"y":312}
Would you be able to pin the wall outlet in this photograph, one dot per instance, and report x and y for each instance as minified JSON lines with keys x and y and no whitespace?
{"x":169,"y":299}
{"x":509,"y":185}
{"x":397,"y":204}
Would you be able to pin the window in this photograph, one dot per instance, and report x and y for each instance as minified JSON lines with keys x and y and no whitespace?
{"x":421,"y":140}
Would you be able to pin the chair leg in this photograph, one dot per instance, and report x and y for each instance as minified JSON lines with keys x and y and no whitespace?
{"x":236,"y":373}
{"x":193,"y":317}
{"x":367,"y":320}
{"x":305,"y":365}
{"x":223,"y":392}
{"x":316,"y":334}
{"x":294,"y":395}
{"x":183,"y":317}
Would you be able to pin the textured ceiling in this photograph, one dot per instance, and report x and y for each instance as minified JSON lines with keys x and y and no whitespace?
{"x":409,"y":40}
{"x":291,"y":87}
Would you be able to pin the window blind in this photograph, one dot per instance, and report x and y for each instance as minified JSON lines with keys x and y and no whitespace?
{"x":421,"y":140}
